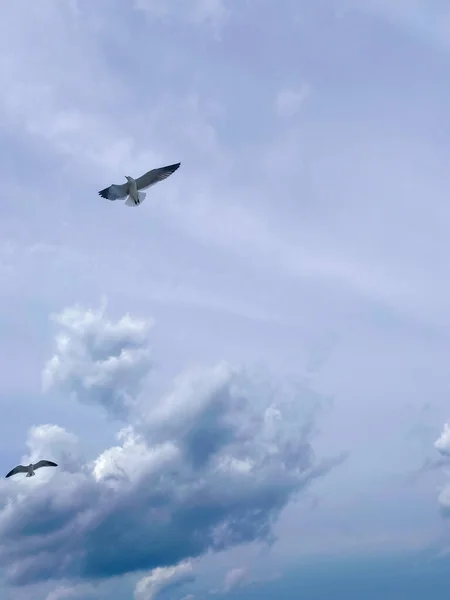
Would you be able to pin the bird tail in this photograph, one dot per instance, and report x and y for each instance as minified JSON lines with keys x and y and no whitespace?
{"x":131,"y":202}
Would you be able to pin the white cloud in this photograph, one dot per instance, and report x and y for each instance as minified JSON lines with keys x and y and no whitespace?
{"x":207,"y":467}
{"x":77,"y":592}
{"x":97,"y":360}
{"x":236,"y":578}
{"x":289,"y":101}
{"x":54,"y":443}
{"x":50,"y":442}
{"x":442,"y":444}
{"x":162,"y":580}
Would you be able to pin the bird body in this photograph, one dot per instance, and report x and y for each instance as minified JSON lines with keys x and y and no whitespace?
{"x":31,"y":468}
{"x":132,"y":188}
{"x":134,"y":197}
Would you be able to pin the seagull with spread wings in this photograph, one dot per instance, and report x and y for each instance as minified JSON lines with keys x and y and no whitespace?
{"x":132,"y":188}
{"x":31,"y":468}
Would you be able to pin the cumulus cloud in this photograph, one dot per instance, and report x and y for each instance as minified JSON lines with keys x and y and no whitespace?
{"x":162,"y":580}
{"x":99,"y":361}
{"x":209,"y":465}
{"x":50,"y":442}
{"x":442,"y":444}
{"x":54,"y":443}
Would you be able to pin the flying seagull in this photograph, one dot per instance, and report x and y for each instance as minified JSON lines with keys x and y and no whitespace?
{"x":133,"y":186}
{"x":30,"y":469}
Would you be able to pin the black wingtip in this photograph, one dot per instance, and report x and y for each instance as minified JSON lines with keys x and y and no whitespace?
{"x":104,"y":193}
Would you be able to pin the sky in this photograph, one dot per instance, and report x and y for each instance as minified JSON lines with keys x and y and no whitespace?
{"x":244,"y":381}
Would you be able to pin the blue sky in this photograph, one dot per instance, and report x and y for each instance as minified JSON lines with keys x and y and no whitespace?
{"x":245,"y":380}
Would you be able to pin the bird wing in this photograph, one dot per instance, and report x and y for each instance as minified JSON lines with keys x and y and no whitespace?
{"x":115,"y":192}
{"x":44,"y":463}
{"x":18,"y":469}
{"x":155,"y":175}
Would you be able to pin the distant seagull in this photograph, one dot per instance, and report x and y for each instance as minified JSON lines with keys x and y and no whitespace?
{"x":30,"y":469}
{"x":132,"y":187}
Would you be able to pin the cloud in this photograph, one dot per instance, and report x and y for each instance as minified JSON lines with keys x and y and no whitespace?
{"x":68,"y":119}
{"x":288,"y":101}
{"x":236,"y":578}
{"x":98,"y":361}
{"x":49,"y":442}
{"x":55,"y":443}
{"x":442,"y":444}
{"x":162,"y":580}
{"x":208,"y":466}
{"x":77,"y":592}
{"x":98,"y":135}
{"x":416,"y":18}
{"x":213,"y":13}
{"x":240,"y":577}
